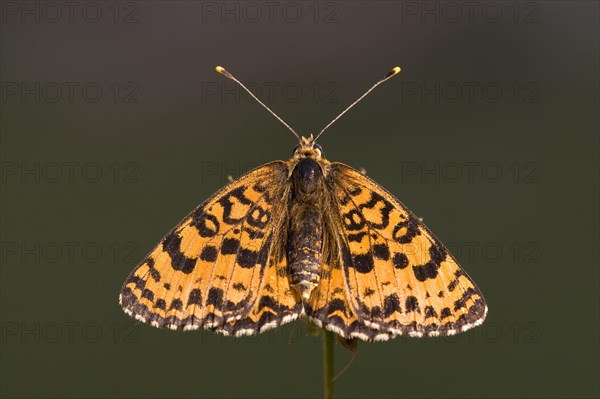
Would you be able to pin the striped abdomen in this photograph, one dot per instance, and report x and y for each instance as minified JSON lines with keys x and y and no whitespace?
{"x":305,"y":237}
{"x":305,"y":241}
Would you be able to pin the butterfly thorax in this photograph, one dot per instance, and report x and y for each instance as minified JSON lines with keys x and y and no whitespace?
{"x":305,"y":230}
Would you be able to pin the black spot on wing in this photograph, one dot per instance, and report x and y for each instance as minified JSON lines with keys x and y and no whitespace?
{"x":239,"y":287}
{"x":406,"y":230}
{"x":430,"y":312}
{"x":195,"y":297}
{"x":176,"y":304}
{"x":400,"y":261}
{"x":336,"y":305}
{"x":430,"y":269}
{"x":247,"y":258}
{"x":215,"y":297}
{"x":363,"y":263}
{"x":412,"y":304}
{"x":356,"y":237}
{"x":445,"y":313}
{"x":209,"y":253}
{"x":391,"y":304}
{"x":160,"y":304}
{"x":230,"y":246}
{"x":155,"y":274}
{"x":368,"y":292}
{"x":381,"y":251}
{"x":148,"y":294}
{"x":375,"y":312}
{"x":172,"y":246}
{"x":207,"y":225}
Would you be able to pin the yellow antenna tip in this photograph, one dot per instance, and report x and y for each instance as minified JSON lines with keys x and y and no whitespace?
{"x":224,"y":72}
{"x":394,"y":71}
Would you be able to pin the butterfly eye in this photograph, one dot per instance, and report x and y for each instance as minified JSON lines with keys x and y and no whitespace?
{"x":318,"y":147}
{"x":295,"y":149}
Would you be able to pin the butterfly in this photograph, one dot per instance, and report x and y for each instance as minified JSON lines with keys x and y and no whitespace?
{"x":304,"y":238}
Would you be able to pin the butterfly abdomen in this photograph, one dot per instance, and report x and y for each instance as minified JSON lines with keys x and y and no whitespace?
{"x":304,"y":250}
{"x":305,"y":237}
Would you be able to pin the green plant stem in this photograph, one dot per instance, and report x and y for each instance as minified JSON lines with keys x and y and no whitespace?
{"x":328,"y":363}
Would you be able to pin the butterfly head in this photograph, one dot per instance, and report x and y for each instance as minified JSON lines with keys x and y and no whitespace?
{"x":308,"y":148}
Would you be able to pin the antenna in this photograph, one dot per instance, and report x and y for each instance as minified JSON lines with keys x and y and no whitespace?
{"x":389,"y":75}
{"x":228,"y":75}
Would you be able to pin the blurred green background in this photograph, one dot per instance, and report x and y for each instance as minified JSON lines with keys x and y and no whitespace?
{"x":115,"y":125}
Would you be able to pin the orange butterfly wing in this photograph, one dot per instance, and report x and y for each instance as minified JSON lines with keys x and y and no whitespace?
{"x":216,"y":269}
{"x":397,"y":277}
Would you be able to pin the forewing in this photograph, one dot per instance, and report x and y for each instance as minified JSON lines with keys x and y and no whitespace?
{"x":210,"y":269}
{"x":398,"y":277}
